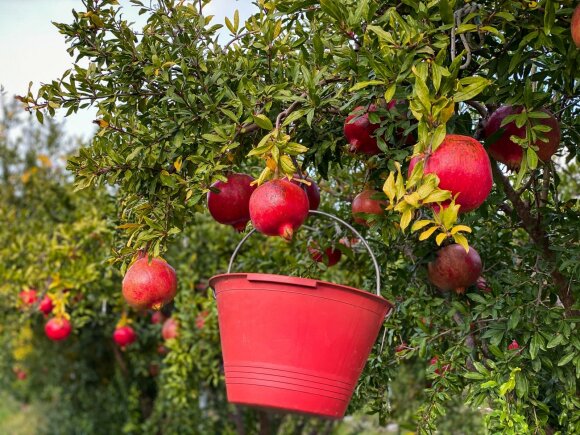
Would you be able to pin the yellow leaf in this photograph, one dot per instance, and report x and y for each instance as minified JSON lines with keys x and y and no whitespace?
{"x":412,"y":199}
{"x":447,"y":112}
{"x":461,"y":240}
{"x":177,"y":164}
{"x":420,"y":224}
{"x":271,"y":164}
{"x":406,"y":219}
{"x":45,"y":160}
{"x":440,"y":237}
{"x":437,"y":196}
{"x":427,"y":233}
{"x":425,"y":190}
{"x":389,"y":187}
{"x":458,"y":228}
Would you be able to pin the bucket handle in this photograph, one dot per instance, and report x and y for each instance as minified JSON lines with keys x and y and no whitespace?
{"x":340,"y":221}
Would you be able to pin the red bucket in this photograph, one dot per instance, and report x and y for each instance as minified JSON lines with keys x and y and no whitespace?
{"x":295,"y":344}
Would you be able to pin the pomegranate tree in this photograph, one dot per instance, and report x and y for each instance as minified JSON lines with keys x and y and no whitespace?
{"x":366,"y":203}
{"x":170,"y":329}
{"x":124,"y":335}
{"x":455,"y":269}
{"x":463,"y":168}
{"x":505,"y":150}
{"x":149,"y":284}
{"x":278,"y":208}
{"x":57,"y":328}
{"x":229,"y":203}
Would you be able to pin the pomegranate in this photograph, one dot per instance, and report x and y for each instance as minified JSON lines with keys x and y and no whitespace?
{"x":463,"y":168}
{"x":28,"y":297}
{"x":439,"y":370}
{"x":149,"y":285}
{"x":330,"y":256}
{"x":359,"y":131}
{"x":200,"y":319}
{"x":157,"y":317}
{"x":513,"y":345}
{"x":278,"y":208}
{"x":483,"y":285}
{"x":124,"y":336}
{"x":229,"y":206}
{"x":57,"y":328}
{"x":455,"y":269}
{"x":506,"y":151}
{"x":312,"y":191}
{"x":46,"y":305}
{"x":401,"y":347}
{"x":364,"y":203}
{"x":162,"y":350}
{"x":575,"y":26}
{"x":170,"y":329}
{"x":21,"y":374}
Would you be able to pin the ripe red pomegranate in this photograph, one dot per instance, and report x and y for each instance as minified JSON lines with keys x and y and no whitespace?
{"x":463,"y":167}
{"x":28,"y":297}
{"x":506,"y":151}
{"x":57,"y":328}
{"x":21,"y":374}
{"x":330,"y":256}
{"x":278,"y":208}
{"x":149,"y":285}
{"x":157,"y":317}
{"x":455,"y":269}
{"x":575,"y":26}
{"x":124,"y":336}
{"x":513,"y":345}
{"x":170,"y":329}
{"x":364,"y":203}
{"x":46,"y":305}
{"x":230,"y":205}
{"x":359,"y":131}
{"x":312,"y":191}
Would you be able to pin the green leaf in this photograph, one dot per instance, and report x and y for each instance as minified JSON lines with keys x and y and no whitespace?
{"x":262,"y":121}
{"x":213,"y":137}
{"x":470,"y":87}
{"x":566,"y":359}
{"x":362,"y":85}
{"x":532,"y":158}
{"x":446,"y":12}
{"x":555,"y":341}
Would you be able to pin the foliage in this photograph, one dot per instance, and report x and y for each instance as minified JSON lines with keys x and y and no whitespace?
{"x":180,"y":107}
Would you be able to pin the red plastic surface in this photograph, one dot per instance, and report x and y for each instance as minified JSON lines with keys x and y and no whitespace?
{"x":294,"y":344}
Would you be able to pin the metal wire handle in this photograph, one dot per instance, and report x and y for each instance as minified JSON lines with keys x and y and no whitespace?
{"x":340,"y":221}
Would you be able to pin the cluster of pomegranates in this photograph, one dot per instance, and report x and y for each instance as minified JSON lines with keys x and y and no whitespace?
{"x":57,"y":328}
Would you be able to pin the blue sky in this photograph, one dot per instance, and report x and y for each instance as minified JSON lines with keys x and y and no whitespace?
{"x":31,"y":49}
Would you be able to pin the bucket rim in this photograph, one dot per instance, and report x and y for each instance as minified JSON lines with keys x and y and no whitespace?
{"x":220,"y":276}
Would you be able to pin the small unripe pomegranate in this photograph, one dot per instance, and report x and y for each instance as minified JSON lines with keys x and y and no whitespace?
{"x":170,"y":329}
{"x":278,"y":208}
{"x":329,"y":257}
{"x":157,"y":317}
{"x":231,"y":205}
{"x":463,"y":167}
{"x":575,"y":26}
{"x":312,"y":191}
{"x":28,"y":297}
{"x":513,"y":345}
{"x":364,"y":203}
{"x":359,"y":131}
{"x":149,"y":285}
{"x":46,"y":306}
{"x":124,"y":336}
{"x":57,"y":328}
{"x":504,"y":150}
{"x":455,"y":269}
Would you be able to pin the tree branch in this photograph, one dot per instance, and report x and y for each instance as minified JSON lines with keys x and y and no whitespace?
{"x":540,"y":238}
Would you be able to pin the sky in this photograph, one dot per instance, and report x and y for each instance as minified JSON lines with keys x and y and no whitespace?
{"x":32,"y":49}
